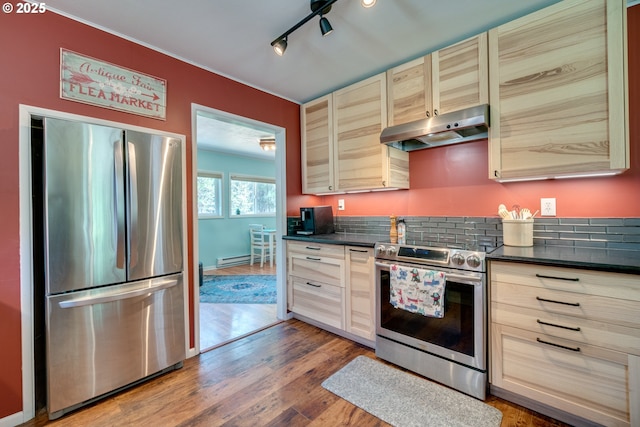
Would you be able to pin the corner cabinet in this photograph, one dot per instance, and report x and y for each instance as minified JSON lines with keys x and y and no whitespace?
{"x":568,"y":339}
{"x":317,"y":146}
{"x":332,"y":286}
{"x":450,"y":79}
{"x":341,"y":149}
{"x":558,"y":92}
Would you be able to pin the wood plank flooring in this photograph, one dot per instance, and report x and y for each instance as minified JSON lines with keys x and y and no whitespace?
{"x":271,"y":378}
{"x":223,"y":323}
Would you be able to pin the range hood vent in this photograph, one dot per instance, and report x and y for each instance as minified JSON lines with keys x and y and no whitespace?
{"x":451,"y":128}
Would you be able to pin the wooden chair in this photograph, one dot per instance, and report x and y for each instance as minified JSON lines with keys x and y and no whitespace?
{"x":259,"y":244}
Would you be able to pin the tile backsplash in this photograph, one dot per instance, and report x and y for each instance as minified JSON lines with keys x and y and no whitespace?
{"x":485,"y":233}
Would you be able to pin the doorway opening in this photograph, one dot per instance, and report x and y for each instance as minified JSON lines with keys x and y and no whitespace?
{"x":238,"y":184}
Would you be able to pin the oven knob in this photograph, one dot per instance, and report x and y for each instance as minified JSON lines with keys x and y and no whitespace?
{"x":381,"y":249}
{"x":391,"y":250}
{"x":473,"y":261}
{"x":457,"y":259}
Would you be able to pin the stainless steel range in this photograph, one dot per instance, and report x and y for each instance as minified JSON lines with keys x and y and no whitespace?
{"x":451,"y":349}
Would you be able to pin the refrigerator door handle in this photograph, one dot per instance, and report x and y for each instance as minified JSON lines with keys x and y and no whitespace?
{"x":101,"y":299}
{"x":133,"y":202}
{"x":118,"y":184}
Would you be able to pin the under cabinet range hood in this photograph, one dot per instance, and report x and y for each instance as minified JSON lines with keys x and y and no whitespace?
{"x":451,"y":128}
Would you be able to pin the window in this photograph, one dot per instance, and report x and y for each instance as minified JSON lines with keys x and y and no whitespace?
{"x":209,"y":195}
{"x":252,"y":195}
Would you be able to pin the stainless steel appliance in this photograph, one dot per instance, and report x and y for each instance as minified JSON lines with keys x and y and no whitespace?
{"x":452,"y":349}
{"x":450,"y":128}
{"x":113,"y":259}
{"x":317,"y":220}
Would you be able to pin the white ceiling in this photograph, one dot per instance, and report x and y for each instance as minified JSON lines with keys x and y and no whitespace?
{"x":233,"y":37}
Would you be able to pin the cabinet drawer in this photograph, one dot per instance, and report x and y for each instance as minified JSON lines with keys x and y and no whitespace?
{"x":606,"y":284}
{"x":318,"y":301}
{"x":591,"y":382}
{"x":584,"y":331}
{"x":593,"y":307}
{"x":316,"y":249}
{"x":316,"y":268}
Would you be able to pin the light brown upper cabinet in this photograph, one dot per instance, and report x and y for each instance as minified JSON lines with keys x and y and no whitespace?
{"x":450,"y":79}
{"x":317,"y":146}
{"x":341,"y":149}
{"x":362,"y":163}
{"x":558,"y":95}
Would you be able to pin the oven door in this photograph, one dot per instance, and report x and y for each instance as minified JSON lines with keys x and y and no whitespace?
{"x":459,"y":336}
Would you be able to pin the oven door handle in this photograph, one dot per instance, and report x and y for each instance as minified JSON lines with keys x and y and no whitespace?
{"x":472,"y":278}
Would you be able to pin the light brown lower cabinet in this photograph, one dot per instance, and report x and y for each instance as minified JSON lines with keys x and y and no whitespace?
{"x":568,"y":339}
{"x":333,"y":286}
{"x":360,"y":292}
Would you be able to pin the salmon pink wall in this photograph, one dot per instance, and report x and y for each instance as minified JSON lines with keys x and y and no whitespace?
{"x":30,"y":73}
{"x":453,"y":181}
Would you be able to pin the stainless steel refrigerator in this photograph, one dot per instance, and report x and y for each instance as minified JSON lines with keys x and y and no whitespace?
{"x":113,"y":257}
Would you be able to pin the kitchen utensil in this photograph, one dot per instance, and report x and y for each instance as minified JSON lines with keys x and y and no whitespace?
{"x":516,"y":212}
{"x":525,"y":213}
{"x":503,"y":212}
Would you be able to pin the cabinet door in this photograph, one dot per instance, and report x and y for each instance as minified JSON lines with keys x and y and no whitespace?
{"x":360,"y":292}
{"x":460,"y":75}
{"x":359,"y":117}
{"x":409,"y":91}
{"x":317,"y":146}
{"x":558,"y":92}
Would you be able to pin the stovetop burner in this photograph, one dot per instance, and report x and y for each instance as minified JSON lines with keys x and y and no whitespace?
{"x":462,"y":259}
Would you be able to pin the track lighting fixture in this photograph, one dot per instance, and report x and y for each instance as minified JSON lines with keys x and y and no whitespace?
{"x":318,"y":7}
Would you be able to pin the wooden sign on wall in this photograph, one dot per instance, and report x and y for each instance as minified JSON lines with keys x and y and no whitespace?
{"x":91,"y":81}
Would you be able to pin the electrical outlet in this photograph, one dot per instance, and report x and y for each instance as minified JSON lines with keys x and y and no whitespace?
{"x":340,"y":204}
{"x":548,"y":206}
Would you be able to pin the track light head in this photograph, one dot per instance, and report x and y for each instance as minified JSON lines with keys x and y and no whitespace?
{"x":318,"y":7}
{"x":279,"y":46}
{"x":325,"y":26}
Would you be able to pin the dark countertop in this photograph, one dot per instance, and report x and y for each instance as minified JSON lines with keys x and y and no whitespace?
{"x":347,"y":239}
{"x":614,"y":260}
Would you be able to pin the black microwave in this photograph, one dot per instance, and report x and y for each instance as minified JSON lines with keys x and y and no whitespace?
{"x":316,"y":220}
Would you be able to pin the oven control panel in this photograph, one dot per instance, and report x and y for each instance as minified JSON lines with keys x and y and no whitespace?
{"x":454,"y":258}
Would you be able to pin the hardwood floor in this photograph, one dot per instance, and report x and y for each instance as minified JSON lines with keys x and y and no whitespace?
{"x":223,"y":323}
{"x":271,"y":378}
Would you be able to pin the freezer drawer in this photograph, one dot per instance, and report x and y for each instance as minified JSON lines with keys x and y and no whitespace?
{"x":102,"y":339}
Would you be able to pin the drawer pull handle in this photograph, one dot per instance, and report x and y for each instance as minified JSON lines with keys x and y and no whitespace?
{"x":558,"y":345}
{"x":573,"y":304}
{"x":571,"y":328}
{"x":570,"y":279}
{"x":314,"y":258}
{"x":313,"y":248}
{"x":314,"y":285}
{"x":363,"y":251}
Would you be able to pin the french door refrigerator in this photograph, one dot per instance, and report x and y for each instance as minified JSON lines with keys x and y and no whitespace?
{"x":113,"y":259}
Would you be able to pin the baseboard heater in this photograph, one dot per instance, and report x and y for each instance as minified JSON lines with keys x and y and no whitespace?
{"x":233,"y":260}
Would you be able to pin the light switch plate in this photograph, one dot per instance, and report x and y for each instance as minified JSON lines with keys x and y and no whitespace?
{"x":340,"y":204}
{"x":548,"y":206}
